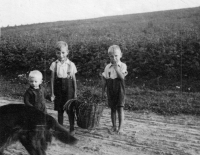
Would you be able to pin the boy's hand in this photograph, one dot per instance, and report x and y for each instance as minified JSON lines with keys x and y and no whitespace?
{"x":116,"y":67}
{"x":69,"y":75}
{"x":52,"y":98}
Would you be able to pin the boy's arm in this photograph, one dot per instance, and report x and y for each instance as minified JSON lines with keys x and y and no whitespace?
{"x":26,"y":99}
{"x":46,"y":93}
{"x":73,"y":71}
{"x":52,"y":85}
{"x":103,"y":86}
{"x":119,"y":73}
{"x":75,"y":85}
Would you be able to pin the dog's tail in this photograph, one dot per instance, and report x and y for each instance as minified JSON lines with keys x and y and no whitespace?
{"x":60,"y":132}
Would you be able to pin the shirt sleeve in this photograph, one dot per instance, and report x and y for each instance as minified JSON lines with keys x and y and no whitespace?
{"x":26,"y":99}
{"x":104,"y":73}
{"x":74,"y":69}
{"x":124,"y":69}
{"x":46,"y":94}
{"x":52,"y":67}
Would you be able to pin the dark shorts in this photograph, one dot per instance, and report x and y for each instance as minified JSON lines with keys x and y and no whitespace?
{"x":63,"y":90}
{"x":115,"y":93}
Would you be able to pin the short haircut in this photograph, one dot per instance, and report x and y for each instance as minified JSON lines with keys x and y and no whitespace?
{"x":113,"y":48}
{"x":35,"y":73}
{"x":61,"y":44}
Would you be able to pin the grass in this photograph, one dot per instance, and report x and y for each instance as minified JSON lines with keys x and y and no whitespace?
{"x":138,"y":98}
{"x":11,"y":88}
{"x":163,"y":102}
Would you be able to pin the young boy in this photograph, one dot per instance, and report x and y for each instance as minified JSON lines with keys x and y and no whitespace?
{"x":63,"y":82}
{"x":35,"y":94}
{"x":113,"y":79}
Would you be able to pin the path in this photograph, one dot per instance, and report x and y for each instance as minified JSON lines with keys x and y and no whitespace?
{"x":145,"y":134}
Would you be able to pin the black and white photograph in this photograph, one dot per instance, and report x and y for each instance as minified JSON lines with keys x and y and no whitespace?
{"x":99,"y":77}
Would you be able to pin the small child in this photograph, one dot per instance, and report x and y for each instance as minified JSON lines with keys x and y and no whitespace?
{"x":63,"y":82}
{"x":113,"y":79}
{"x":35,"y":94}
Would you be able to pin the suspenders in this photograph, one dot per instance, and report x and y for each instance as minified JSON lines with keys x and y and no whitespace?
{"x":68,"y":70}
{"x":55,"y":69}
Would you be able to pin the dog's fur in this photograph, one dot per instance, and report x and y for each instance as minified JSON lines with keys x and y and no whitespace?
{"x":31,"y":127}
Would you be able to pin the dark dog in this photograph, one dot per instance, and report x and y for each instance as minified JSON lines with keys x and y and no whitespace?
{"x":31,"y":127}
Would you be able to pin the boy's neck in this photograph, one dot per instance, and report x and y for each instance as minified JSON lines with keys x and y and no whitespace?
{"x":62,"y":61}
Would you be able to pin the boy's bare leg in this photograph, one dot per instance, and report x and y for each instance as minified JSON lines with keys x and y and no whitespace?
{"x":120,"y":111}
{"x":113,"y":118}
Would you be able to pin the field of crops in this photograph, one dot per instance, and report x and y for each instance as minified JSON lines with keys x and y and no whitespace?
{"x":161,"y":44}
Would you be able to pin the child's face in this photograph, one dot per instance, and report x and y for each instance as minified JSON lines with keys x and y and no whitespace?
{"x":62,"y":53}
{"x":35,"y":82}
{"x":115,"y":56}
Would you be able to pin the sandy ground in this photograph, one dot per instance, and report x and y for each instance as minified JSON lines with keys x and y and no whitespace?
{"x":145,"y":134}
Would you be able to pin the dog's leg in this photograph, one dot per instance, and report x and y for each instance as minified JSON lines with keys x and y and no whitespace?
{"x":7,"y":136}
{"x":32,"y":149}
{"x":32,"y":144}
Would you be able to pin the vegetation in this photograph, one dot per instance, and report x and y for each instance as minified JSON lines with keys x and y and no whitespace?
{"x":161,"y":50}
{"x":155,"y":44}
{"x":166,"y":102}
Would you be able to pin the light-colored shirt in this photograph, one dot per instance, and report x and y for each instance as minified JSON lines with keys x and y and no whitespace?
{"x":109,"y":71}
{"x":64,"y":69}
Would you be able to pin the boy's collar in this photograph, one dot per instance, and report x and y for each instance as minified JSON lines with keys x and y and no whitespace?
{"x":66,"y":61}
{"x":31,"y":87}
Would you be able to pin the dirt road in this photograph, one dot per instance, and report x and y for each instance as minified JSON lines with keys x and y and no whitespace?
{"x":145,"y":134}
